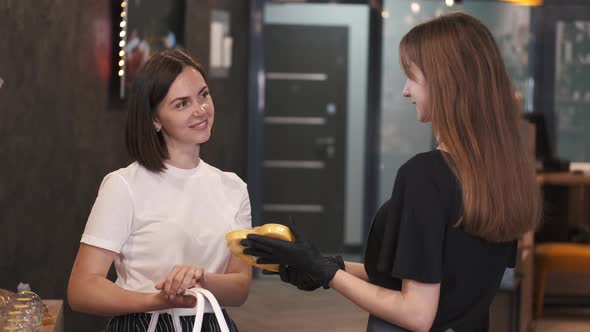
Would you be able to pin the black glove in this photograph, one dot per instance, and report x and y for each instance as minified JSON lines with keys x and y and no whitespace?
{"x":301,"y":255}
{"x":302,"y":280}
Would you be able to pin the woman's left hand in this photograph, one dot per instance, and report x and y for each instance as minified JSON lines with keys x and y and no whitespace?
{"x":181,"y":277}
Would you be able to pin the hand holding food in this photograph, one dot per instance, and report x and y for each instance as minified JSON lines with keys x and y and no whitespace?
{"x":276,"y":231}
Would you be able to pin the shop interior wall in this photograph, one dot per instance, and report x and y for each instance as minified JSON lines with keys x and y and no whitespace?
{"x":60,"y":136}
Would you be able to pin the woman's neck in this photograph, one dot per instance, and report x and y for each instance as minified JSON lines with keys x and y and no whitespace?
{"x":183,"y":157}
{"x":442,"y":147}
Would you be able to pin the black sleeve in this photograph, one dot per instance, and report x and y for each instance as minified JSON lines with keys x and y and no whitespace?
{"x":422,"y":228}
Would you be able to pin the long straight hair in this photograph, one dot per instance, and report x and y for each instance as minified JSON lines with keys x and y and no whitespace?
{"x":476,"y":118}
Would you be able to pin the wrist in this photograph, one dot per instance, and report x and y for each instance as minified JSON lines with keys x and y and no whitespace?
{"x":332,"y":282}
{"x":153,"y":302}
{"x":202,"y":282}
{"x":335,"y":264}
{"x":340,"y":262}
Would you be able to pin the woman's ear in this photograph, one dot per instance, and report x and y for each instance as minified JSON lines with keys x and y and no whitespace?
{"x":157,"y":124}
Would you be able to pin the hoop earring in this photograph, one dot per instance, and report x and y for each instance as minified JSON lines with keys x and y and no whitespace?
{"x":158,"y":129}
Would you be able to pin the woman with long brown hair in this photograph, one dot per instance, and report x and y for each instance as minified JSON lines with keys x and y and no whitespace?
{"x":438,"y":248}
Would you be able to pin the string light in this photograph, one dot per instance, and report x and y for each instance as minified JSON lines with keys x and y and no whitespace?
{"x":449,"y":3}
{"x":415,"y":7}
{"x":122,"y":42}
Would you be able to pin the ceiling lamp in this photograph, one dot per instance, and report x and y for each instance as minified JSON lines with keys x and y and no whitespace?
{"x":525,"y":2}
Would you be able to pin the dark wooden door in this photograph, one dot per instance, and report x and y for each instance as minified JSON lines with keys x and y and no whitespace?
{"x":305,"y":129}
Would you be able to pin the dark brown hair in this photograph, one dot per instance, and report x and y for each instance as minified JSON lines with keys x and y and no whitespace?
{"x":476,"y":118}
{"x":148,"y":89}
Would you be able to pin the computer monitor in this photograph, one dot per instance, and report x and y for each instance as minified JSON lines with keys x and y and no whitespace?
{"x":543,"y":149}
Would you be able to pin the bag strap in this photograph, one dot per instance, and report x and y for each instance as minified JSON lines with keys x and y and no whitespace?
{"x":201,"y":294}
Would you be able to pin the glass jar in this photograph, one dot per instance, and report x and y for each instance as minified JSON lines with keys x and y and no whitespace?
{"x":18,"y":324}
{"x":34,"y":300}
{"x":31,"y":314}
{"x":11,"y":315}
{"x":12,"y":329}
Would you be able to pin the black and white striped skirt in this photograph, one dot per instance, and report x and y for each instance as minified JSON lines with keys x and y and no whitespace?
{"x":139,"y":322}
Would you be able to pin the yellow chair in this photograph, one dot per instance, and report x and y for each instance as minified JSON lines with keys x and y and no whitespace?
{"x":552,"y":257}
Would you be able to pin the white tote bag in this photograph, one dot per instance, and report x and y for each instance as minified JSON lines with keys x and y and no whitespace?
{"x":202,"y":295}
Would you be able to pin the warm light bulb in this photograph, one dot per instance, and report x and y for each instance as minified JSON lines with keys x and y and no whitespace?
{"x":121,"y":43}
{"x":122,"y":24}
{"x":415,"y":7}
{"x":121,"y":63}
{"x":123,"y":4}
{"x":526,"y":2}
{"x":123,"y":14}
{"x":385,"y":14}
{"x":122,"y":34}
{"x":449,"y":3}
{"x":121,"y":53}
{"x":121,"y":72}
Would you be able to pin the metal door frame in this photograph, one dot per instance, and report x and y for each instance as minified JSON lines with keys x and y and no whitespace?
{"x":256,"y":107}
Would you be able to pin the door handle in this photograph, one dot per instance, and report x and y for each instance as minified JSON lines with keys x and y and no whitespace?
{"x":327,"y":146}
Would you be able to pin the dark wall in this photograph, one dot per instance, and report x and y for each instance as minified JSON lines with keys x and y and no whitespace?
{"x":228,"y":147}
{"x":58,"y":136}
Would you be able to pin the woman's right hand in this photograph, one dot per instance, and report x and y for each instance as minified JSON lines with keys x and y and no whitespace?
{"x":301,"y":255}
{"x":181,"y":277}
{"x":306,"y":281}
{"x":178,"y":301}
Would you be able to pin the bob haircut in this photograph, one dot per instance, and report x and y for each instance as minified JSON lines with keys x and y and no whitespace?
{"x":476,"y":117}
{"x":148,"y":89}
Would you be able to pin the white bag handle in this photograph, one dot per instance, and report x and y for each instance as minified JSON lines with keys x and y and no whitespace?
{"x":201,"y":294}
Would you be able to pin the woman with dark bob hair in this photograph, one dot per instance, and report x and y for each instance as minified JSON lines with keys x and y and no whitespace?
{"x":438,"y":248}
{"x":162,"y":220}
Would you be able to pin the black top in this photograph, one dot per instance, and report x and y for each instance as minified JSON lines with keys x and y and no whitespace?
{"x":414,"y":236}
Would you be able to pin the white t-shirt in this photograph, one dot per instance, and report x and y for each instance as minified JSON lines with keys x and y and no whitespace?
{"x":154,"y":221}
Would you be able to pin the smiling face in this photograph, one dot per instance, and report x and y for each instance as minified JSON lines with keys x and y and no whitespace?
{"x":417,"y":90}
{"x":185,"y":115}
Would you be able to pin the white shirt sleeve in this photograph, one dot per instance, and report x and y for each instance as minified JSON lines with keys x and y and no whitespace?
{"x":111,"y":219}
{"x":244,"y":215}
